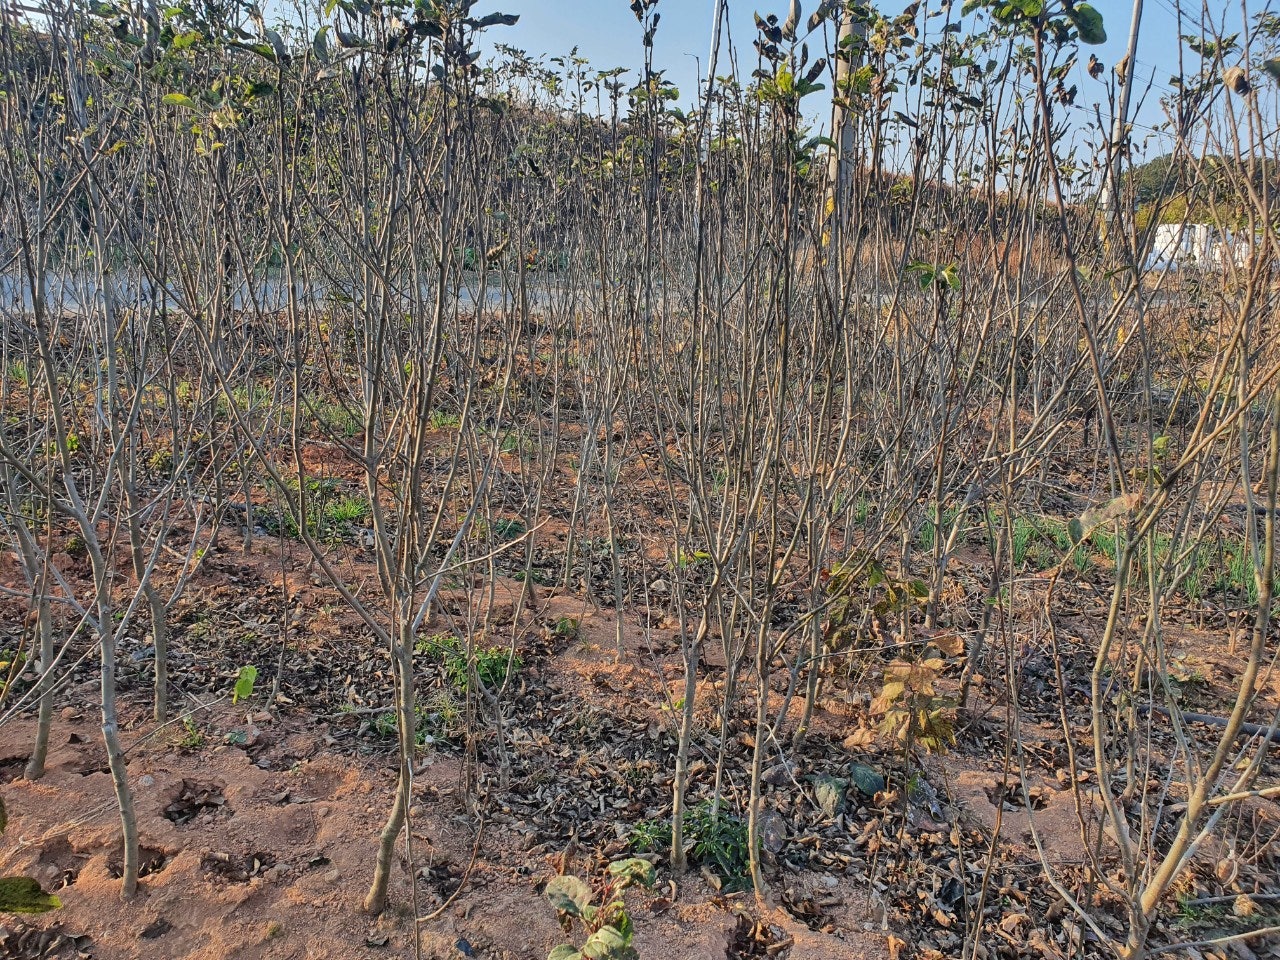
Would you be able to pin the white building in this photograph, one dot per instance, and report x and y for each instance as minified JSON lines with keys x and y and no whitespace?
{"x":1178,"y":246}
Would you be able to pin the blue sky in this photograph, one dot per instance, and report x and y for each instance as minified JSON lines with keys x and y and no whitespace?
{"x":606,"y":32}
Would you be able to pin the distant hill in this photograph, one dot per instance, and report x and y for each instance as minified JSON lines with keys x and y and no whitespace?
{"x":1177,"y":189}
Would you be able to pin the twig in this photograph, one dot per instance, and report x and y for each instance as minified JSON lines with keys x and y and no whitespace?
{"x":361,"y":711}
{"x":1246,"y":729}
{"x":1220,"y":941}
{"x":462,"y":884}
{"x":1207,"y":901}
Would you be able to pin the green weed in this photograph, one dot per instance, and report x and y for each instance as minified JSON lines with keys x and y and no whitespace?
{"x":716,"y":840}
{"x":508,"y":529}
{"x":192,"y":736}
{"x":337,"y":418}
{"x":929,"y":528}
{"x":492,"y":664}
{"x":606,"y":923}
{"x":347,"y":512}
{"x":568,"y":628}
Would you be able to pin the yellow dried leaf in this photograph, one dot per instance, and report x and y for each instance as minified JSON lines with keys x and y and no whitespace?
{"x":952,"y":646}
{"x":1012,"y":922}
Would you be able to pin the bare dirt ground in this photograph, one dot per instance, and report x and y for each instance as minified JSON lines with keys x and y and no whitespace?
{"x":258,"y":825}
{"x":274,"y":860}
{"x":259,"y":820}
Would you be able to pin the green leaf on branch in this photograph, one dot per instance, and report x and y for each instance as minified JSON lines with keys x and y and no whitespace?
{"x":350,"y":40}
{"x":265,"y":50}
{"x":179,"y":100}
{"x":320,"y":45}
{"x":497,"y":20}
{"x":189,"y":39}
{"x":1088,"y":22}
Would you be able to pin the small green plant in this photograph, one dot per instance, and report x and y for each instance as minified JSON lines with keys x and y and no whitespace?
{"x":928,"y":533}
{"x":338,"y":419}
{"x":1024,"y":535}
{"x":347,"y":512}
{"x":1199,"y":580}
{"x":1154,"y":553}
{"x":436,"y":645}
{"x":508,"y":529}
{"x":434,"y":719}
{"x":568,"y":628}
{"x":518,"y":444}
{"x":327,"y":510}
{"x":24,"y":894}
{"x":384,"y":724}
{"x":538,"y":576}
{"x":607,"y":924}
{"x":686,"y":560}
{"x":492,"y":664}
{"x":161,"y":461}
{"x":201,"y":626}
{"x":715,"y":838}
{"x":929,"y":527}
{"x":1239,"y":578}
{"x":1104,"y":539}
{"x":245,"y":398}
{"x":943,"y":276}
{"x":442,"y":420}
{"x":437,"y":718}
{"x":1042,"y":542}
{"x":651,"y":836}
{"x":1198,"y":916}
{"x":911,"y":709}
{"x":861,"y":584}
{"x":192,"y":737}
{"x":245,"y":680}
{"x":862,"y":509}
{"x":1059,"y":532}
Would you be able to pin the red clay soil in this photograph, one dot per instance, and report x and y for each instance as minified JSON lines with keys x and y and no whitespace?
{"x":262,"y":848}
